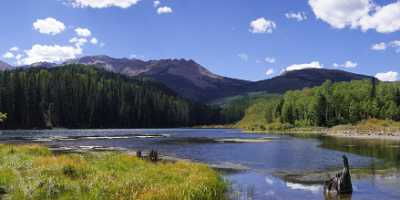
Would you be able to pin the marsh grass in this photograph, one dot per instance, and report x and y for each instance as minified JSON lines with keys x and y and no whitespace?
{"x":33,"y":172}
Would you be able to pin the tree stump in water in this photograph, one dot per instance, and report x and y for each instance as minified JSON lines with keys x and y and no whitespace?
{"x":139,"y":154}
{"x":153,"y":156}
{"x":341,"y":183}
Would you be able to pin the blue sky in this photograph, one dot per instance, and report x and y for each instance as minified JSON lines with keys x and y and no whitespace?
{"x":235,"y":38}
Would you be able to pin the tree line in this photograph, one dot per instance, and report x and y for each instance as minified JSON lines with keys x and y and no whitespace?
{"x":77,"y":96}
{"x":330,"y":104}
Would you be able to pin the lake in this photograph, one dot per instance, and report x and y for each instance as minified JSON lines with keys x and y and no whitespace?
{"x":261,"y":166}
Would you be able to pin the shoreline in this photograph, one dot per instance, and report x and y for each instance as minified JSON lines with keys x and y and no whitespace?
{"x":332,"y":132}
{"x":374,"y":129}
{"x":367,"y":137}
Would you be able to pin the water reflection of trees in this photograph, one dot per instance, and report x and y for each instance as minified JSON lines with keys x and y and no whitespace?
{"x":388,"y":151}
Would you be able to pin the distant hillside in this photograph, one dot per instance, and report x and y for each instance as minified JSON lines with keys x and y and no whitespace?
{"x":4,"y":66}
{"x":299,"y":79}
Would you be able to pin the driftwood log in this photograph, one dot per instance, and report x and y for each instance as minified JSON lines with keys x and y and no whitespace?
{"x":341,"y":183}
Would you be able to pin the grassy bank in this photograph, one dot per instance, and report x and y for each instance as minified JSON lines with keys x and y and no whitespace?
{"x":371,"y":128}
{"x":33,"y":172}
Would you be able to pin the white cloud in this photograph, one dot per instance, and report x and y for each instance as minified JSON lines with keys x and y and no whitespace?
{"x":363,"y":14}
{"x":270,"y":72}
{"x":156,"y":3}
{"x":379,"y":46}
{"x":386,"y":19}
{"x":104,"y":3}
{"x":340,"y":13}
{"x":347,"y":64}
{"x":164,"y":10}
{"x":94,"y":41}
{"x":314,"y":64}
{"x":390,"y":76}
{"x":299,"y":16}
{"x":83,"y":32}
{"x":395,"y":44}
{"x":8,"y":55}
{"x":270,"y":60}
{"x":78,"y":41}
{"x":50,"y":53}
{"x":262,"y":25}
{"x":243,"y":56}
{"x":15,"y":49}
{"x":49,"y":26}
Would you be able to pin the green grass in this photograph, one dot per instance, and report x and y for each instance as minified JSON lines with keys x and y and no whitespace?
{"x":33,"y":172}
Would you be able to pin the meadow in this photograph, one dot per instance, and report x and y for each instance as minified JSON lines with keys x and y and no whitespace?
{"x":34,"y":172}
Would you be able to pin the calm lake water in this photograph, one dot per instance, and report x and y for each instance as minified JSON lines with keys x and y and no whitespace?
{"x":266,"y":160}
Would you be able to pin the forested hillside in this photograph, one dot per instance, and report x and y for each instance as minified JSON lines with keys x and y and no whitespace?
{"x":77,"y":96}
{"x":326,"y":106}
{"x":233,"y":108}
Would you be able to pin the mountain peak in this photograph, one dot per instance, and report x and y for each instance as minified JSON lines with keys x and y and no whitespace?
{"x":184,"y":76}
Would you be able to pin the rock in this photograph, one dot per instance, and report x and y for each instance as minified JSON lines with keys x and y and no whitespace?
{"x":341,"y":183}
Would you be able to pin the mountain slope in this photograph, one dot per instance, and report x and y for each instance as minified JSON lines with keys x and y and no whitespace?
{"x":299,"y":79}
{"x":195,"y":82}
{"x":185,"y":77}
{"x":4,"y":66}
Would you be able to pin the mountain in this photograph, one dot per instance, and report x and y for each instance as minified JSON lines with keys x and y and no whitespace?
{"x":4,"y":66}
{"x":299,"y":79}
{"x":42,"y":64}
{"x":185,"y":77}
{"x":193,"y":81}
